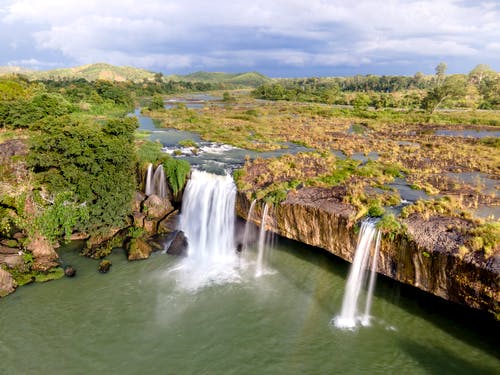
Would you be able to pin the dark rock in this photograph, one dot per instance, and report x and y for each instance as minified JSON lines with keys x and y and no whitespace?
{"x":170,"y":223}
{"x":104,"y":266}
{"x":69,"y":271}
{"x":179,"y":244}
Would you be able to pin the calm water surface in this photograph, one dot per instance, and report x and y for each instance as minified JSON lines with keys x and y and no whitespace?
{"x":151,"y":317}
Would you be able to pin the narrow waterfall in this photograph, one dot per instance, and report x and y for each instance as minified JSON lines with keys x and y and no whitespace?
{"x":149,"y":181}
{"x":160,"y":182}
{"x":248,"y":226}
{"x":156,"y":183}
{"x":369,"y":237}
{"x":264,"y":244}
{"x":208,"y":217}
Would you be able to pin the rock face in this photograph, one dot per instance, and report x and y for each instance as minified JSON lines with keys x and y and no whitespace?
{"x":427,"y":257}
{"x":157,"y":208}
{"x":7,"y":283}
{"x":138,"y":249}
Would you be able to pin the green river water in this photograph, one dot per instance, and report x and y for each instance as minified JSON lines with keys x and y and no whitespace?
{"x":156,"y":317}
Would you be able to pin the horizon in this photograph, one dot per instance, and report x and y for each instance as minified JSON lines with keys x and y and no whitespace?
{"x":282,"y":39}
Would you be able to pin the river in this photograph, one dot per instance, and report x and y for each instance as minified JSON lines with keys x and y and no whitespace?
{"x":159,"y":317}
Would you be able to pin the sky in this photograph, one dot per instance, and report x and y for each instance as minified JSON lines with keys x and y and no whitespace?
{"x":280,"y":38}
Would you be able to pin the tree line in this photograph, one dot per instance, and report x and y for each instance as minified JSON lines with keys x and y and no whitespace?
{"x":480,"y":88}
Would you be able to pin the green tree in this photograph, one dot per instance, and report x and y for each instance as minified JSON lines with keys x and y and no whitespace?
{"x":454,"y":87}
{"x":94,"y":162}
{"x":157,"y":103}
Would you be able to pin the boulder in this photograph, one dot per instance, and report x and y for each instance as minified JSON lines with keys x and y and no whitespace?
{"x":7,"y":283}
{"x":69,"y":271}
{"x":179,"y":244}
{"x":170,"y":223}
{"x":104,"y":266}
{"x":138,"y":249}
{"x":156,"y":207}
{"x":150,"y":226}
{"x":41,"y":248}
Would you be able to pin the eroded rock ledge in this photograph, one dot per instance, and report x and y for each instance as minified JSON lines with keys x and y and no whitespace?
{"x":425,"y":256}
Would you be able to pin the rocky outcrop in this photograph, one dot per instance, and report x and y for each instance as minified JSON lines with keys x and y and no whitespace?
{"x":138,"y":249}
{"x":7,"y":283}
{"x":426,"y":256}
{"x":179,"y":244}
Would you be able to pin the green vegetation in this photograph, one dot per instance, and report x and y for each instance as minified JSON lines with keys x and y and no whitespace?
{"x":95,"y":162}
{"x":176,"y":171}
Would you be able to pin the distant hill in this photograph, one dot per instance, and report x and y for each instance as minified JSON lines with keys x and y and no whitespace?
{"x":93,"y":72}
{"x":109,"y":72}
{"x":253,"y":79}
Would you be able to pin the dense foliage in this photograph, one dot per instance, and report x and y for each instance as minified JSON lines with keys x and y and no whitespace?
{"x":95,"y":162}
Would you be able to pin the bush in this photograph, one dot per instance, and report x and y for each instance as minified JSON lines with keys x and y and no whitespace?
{"x":176,"y":171}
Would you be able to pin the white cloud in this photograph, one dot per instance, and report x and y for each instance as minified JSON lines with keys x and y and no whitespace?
{"x":174,"y":34}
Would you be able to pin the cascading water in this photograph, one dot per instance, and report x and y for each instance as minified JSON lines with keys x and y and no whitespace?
{"x":208,"y":220}
{"x":156,"y":182}
{"x":159,"y":182}
{"x":149,"y":181}
{"x":369,"y":237}
{"x":208,"y":216}
{"x":248,"y":226}
{"x":264,"y":244}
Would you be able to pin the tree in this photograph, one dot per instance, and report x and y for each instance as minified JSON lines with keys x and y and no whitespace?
{"x":157,"y":103}
{"x":454,"y":87}
{"x":479,"y":72}
{"x":441,"y":72}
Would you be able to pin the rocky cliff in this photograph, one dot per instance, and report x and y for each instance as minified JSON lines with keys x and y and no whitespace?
{"x":426,"y":255}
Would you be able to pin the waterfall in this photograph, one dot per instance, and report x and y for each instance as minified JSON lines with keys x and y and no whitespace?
{"x":159,"y":182}
{"x":156,"y":183}
{"x":208,"y":216}
{"x":149,"y":181}
{"x":264,"y":244}
{"x":369,"y":238}
{"x":248,"y":226}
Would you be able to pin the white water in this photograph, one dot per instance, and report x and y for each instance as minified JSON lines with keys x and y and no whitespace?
{"x":156,"y":183}
{"x":149,"y":181}
{"x":248,"y":226}
{"x":264,"y":244}
{"x":160,"y":182}
{"x":349,"y":316}
{"x":208,"y":221}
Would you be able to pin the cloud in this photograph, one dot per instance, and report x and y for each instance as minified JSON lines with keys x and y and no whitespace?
{"x":223,"y":33}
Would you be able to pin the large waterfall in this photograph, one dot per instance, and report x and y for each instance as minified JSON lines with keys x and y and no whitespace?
{"x":208,"y":216}
{"x":208,"y":220}
{"x":369,"y":239}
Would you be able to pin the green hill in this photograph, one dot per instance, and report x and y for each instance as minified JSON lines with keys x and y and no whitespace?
{"x":109,"y":72}
{"x":94,"y":72}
